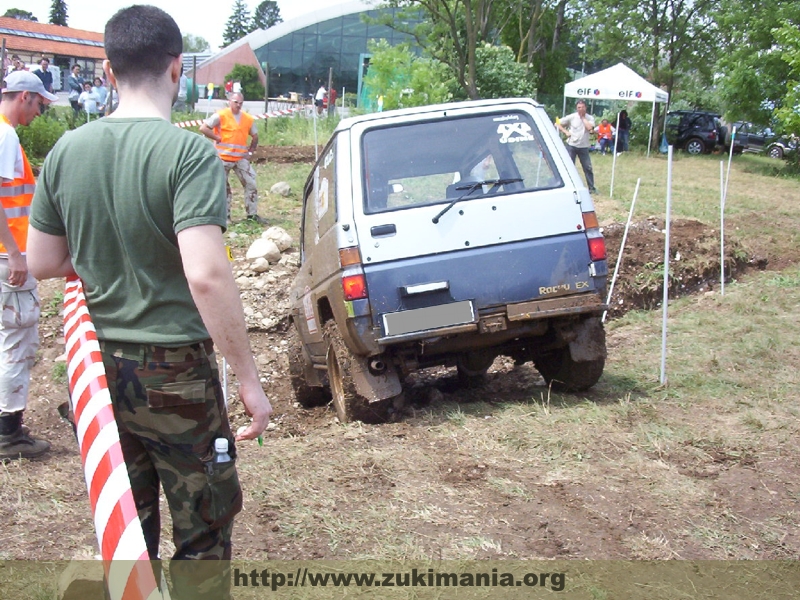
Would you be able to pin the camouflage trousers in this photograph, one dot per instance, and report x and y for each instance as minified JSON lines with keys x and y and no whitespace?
{"x":169,"y":409}
{"x":19,"y":340}
{"x":247,"y":176}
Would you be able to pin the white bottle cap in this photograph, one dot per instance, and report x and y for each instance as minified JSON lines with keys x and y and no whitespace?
{"x":221,"y":445}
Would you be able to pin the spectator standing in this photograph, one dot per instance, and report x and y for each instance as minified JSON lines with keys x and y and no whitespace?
{"x":180,"y":103}
{"x":136,"y":207}
{"x":624,"y":133}
{"x":75,"y":86}
{"x":101,"y":91}
{"x":229,"y":128}
{"x":19,"y":332}
{"x":45,"y":74}
{"x":319,"y":98}
{"x":577,"y":127}
{"x":605,"y":135}
{"x":16,"y":65}
{"x":89,"y":101}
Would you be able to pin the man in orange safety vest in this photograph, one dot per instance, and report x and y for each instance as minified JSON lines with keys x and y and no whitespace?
{"x":23,"y":98}
{"x":229,"y":128}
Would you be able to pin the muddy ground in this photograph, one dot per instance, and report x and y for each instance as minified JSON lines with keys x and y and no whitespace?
{"x":557,"y":524}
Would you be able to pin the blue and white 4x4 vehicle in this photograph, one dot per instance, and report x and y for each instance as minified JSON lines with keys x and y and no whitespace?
{"x":444,"y":235}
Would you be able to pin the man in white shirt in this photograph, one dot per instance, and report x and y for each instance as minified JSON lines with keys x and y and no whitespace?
{"x":577,"y":128}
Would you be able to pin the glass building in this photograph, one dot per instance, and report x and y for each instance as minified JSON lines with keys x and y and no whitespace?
{"x":300,"y":52}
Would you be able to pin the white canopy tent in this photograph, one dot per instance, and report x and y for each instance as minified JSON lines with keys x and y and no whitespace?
{"x":616,"y":83}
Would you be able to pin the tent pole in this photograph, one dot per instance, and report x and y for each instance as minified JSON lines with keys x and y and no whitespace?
{"x":614,"y":157}
{"x":650,"y":136}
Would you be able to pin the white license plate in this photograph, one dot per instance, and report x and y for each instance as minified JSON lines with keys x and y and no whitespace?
{"x":430,"y":317}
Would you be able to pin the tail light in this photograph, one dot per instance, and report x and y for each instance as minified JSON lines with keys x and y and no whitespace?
{"x":597,"y":245}
{"x":354,"y":283}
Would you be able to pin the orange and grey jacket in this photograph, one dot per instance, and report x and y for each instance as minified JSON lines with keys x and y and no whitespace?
{"x":233,"y":146}
{"x":16,"y":196}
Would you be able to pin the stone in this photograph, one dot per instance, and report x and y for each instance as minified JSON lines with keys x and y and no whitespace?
{"x":263,"y":248}
{"x":278,"y":235}
{"x":260,"y":265}
{"x":281,"y":188}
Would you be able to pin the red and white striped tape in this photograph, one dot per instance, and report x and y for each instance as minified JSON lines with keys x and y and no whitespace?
{"x":275,"y":113}
{"x":119,"y":532}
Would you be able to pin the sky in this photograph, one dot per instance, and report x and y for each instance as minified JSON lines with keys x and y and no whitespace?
{"x":204,"y":18}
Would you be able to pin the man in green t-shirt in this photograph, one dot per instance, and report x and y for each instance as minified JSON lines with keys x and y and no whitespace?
{"x":136,"y":207}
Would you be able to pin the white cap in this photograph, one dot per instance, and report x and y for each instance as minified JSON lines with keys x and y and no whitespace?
{"x":220,"y":444}
{"x":25,"y":81}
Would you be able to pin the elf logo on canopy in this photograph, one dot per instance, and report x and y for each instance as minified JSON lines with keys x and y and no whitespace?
{"x":630,"y":94}
{"x":588,"y":92}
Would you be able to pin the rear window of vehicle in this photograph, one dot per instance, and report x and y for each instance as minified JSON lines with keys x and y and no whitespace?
{"x":426,"y":163}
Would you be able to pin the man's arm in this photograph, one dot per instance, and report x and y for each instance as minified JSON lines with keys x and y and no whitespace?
{"x":48,"y":255}
{"x":17,"y":265}
{"x":253,"y":142}
{"x":205,"y":263}
{"x":209,"y":133}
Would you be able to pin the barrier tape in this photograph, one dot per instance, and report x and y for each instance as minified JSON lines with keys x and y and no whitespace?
{"x":270,"y":115}
{"x":116,"y":521}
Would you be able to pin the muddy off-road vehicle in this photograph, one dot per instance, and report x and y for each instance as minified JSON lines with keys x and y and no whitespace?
{"x":444,"y":235}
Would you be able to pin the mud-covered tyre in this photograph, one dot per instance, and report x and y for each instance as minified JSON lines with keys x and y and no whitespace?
{"x":472,"y":367}
{"x":308,"y":396}
{"x":349,"y":404}
{"x":564,"y":374}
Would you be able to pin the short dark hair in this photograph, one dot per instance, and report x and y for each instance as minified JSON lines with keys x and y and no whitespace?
{"x":141,"y":41}
{"x":580,"y":102}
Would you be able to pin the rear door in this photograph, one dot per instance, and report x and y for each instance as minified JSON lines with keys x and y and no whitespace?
{"x":466,"y":208}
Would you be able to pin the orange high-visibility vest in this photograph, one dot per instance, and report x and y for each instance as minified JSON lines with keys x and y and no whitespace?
{"x":604,"y":131}
{"x":16,"y":196}
{"x":233,"y":146}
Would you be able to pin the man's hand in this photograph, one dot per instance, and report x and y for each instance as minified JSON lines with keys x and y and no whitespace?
{"x":17,"y":269}
{"x":257,"y":406}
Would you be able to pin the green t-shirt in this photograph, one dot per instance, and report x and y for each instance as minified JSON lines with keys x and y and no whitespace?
{"x":120,"y":190}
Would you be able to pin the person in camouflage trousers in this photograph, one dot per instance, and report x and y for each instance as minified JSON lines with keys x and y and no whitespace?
{"x":136,"y":208}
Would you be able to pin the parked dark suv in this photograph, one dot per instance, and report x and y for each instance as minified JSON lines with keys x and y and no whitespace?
{"x":697,"y":132}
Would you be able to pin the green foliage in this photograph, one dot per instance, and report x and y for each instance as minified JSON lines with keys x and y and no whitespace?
{"x":248,"y":76}
{"x":404,"y":79}
{"x":266,"y":14}
{"x":238,"y":24}
{"x":753,"y":73}
{"x":500,"y":76}
{"x":22,"y":15}
{"x":39,"y":137}
{"x":789,"y":112}
{"x":58,"y":13}
{"x":296,"y":131}
{"x":195,"y":43}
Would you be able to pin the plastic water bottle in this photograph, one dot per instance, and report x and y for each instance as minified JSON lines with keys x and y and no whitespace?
{"x":221,"y":451}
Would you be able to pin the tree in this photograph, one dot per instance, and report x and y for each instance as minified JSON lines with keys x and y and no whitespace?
{"x":499,"y":75}
{"x":22,"y":15}
{"x":451,"y":30}
{"x":403,"y":79}
{"x":662,"y":38}
{"x":247,"y":75}
{"x":58,"y":13}
{"x":267,"y":14}
{"x":752,"y":72}
{"x":788,"y":114}
{"x":195,"y":43}
{"x":238,"y":24}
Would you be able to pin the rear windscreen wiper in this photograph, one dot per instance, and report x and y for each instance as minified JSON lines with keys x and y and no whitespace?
{"x":471,"y":187}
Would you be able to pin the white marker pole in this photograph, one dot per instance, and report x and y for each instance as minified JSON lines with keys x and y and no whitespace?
{"x":722,"y":211}
{"x":621,"y":248}
{"x":665,"y":301}
{"x":722,"y":226}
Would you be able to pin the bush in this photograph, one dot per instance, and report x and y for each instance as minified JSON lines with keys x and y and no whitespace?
{"x":252,"y":88}
{"x":39,"y":137}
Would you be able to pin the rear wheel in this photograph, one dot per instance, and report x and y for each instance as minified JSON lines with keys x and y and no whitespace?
{"x":472,"y":367}
{"x":695,"y":146}
{"x":306,"y":395}
{"x":349,"y":404}
{"x":564,"y":374}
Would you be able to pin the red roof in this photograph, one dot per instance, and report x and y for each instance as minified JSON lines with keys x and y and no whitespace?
{"x":46,"y":39}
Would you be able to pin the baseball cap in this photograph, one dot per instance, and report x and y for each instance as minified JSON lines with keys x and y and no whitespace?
{"x":25,"y":81}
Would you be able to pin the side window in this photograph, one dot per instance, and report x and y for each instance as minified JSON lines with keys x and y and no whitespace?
{"x":319,"y":199}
